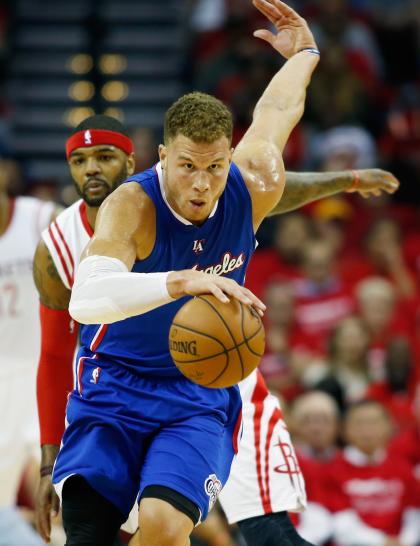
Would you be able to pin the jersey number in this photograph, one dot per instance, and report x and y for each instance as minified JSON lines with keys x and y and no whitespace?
{"x":8,"y":300}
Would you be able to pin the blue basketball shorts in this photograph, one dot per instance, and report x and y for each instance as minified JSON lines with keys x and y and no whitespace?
{"x":126,"y":432}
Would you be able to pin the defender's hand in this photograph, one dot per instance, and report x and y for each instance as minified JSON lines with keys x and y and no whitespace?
{"x":293,"y":33}
{"x":195,"y":283}
{"x":374,"y":182}
{"x":47,"y":505}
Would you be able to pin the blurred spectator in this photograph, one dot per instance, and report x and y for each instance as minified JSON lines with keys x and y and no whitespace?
{"x":372,"y":493}
{"x":382,"y":256}
{"x":315,"y":424}
{"x":335,"y":25}
{"x":344,"y":147}
{"x":321,"y":296}
{"x":346,"y":101}
{"x":289,"y":352}
{"x":401,"y":139}
{"x":383,"y":320}
{"x":396,"y":391}
{"x":315,"y":419}
{"x":145,"y":148}
{"x":284,"y":259}
{"x":407,"y":443}
{"x":331,"y":218}
{"x":347,"y":378}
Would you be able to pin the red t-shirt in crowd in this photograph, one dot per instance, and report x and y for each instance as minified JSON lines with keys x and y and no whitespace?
{"x":319,"y":310}
{"x":267,"y":265}
{"x":406,"y":445}
{"x":379,"y":493}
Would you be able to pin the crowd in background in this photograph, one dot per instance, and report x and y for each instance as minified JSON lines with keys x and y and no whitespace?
{"x":340,"y":277}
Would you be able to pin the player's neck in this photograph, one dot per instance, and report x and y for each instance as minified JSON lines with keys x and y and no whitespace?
{"x":91,"y":214}
{"x":5,"y":209}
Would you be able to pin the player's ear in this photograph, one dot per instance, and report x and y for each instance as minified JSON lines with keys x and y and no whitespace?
{"x":163,"y":154}
{"x":231,"y":154}
{"x":131,"y":164}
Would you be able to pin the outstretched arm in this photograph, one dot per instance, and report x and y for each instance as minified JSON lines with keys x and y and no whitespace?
{"x":259,"y":154}
{"x":303,"y":188}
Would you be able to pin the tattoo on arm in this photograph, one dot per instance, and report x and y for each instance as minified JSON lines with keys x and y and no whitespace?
{"x":303,"y":188}
{"x":52,"y":270}
{"x":52,"y":292}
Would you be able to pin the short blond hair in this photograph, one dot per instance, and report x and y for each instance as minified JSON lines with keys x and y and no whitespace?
{"x":199,"y":117}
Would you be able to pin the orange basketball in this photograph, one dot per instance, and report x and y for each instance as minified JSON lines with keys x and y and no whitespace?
{"x":216,"y":344}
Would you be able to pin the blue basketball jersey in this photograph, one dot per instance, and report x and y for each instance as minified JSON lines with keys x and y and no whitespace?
{"x":223,"y":245}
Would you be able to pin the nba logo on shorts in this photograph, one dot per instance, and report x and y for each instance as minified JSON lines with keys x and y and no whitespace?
{"x":212,"y":486}
{"x":95,"y":375}
{"x":88,"y":137}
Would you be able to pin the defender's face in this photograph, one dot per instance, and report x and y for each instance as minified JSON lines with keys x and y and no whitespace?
{"x":98,"y":170}
{"x":195,"y":175}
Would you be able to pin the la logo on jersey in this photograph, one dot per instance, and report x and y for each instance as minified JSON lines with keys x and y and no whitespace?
{"x":95,"y":375}
{"x":88,"y":137}
{"x":198,"y":245}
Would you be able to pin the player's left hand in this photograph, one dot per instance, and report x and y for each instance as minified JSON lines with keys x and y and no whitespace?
{"x":293,"y":33}
{"x":375,"y":181}
{"x":47,"y":504}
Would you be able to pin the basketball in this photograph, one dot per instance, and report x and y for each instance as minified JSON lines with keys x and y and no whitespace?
{"x":216,"y":344}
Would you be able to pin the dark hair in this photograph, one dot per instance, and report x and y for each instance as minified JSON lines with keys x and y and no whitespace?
{"x":199,"y":117}
{"x":101,"y":121}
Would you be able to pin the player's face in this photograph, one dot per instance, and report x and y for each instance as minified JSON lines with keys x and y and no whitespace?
{"x":98,"y":170}
{"x":367,"y":428}
{"x":195,"y":175}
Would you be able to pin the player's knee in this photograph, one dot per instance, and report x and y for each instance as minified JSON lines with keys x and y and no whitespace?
{"x":161,"y":524}
{"x":88,"y":518}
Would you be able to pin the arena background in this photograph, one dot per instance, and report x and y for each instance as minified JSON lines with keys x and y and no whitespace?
{"x":342,"y":276}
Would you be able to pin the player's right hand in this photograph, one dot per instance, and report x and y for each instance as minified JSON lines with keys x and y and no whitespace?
{"x":292,"y":32}
{"x":189,"y":282}
{"x":47,"y":505}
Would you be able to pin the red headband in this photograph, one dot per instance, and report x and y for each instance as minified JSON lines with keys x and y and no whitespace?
{"x":94,"y":137}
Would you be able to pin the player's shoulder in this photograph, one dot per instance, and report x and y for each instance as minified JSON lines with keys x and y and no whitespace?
{"x":143,"y":176}
{"x":129,"y":204}
{"x":70,"y":212}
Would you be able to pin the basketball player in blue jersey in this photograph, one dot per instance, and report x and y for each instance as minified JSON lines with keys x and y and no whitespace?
{"x":104,"y":158}
{"x":136,"y":426}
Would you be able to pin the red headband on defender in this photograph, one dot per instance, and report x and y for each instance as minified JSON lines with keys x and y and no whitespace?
{"x":95,"y":137}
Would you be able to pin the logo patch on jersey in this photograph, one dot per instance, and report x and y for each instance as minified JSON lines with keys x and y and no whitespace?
{"x":212,"y":487}
{"x":227,"y":264}
{"x":198,"y":246}
{"x":95,"y":375}
{"x":88,"y":137}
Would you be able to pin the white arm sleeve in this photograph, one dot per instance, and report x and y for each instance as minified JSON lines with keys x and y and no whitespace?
{"x":104,"y":291}
{"x":350,"y":530}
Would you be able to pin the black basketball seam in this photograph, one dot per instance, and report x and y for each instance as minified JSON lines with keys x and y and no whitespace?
{"x":225,"y":352}
{"x":228,"y":329}
{"x":244,"y":336}
{"x":201,"y":334}
{"x":211,"y":337}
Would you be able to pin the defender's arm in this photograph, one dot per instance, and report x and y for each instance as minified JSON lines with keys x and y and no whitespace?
{"x":54,"y":378}
{"x":303,"y":188}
